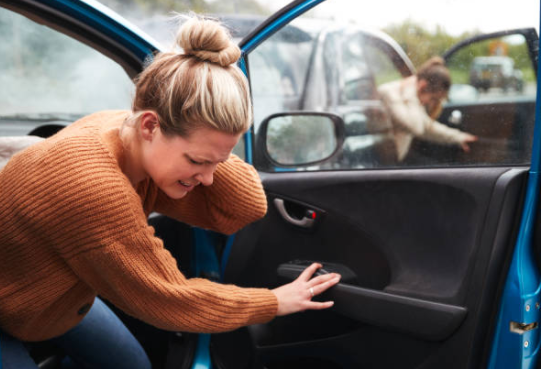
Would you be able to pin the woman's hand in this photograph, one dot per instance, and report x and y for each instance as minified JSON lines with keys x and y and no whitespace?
{"x":467,"y":140}
{"x":297,"y":295}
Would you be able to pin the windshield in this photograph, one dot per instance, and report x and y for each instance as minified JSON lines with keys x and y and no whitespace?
{"x":157,"y":17}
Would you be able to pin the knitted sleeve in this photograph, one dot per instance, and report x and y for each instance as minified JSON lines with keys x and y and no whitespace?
{"x":140,"y":277}
{"x":235,"y":199}
{"x":86,"y":209}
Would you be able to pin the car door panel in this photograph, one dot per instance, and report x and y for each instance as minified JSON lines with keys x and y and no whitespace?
{"x":422,"y":245}
{"x":387,"y":310}
{"x":502,"y":131}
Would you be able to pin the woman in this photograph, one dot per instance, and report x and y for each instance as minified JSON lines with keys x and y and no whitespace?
{"x":415,"y":102}
{"x":74,"y":214}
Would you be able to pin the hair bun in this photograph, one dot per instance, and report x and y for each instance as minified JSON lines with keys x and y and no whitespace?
{"x":435,"y":61}
{"x":207,"y":40}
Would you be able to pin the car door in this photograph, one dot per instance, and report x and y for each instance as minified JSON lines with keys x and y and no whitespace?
{"x":437,"y":261}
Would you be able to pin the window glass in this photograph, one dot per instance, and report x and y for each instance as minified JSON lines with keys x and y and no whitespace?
{"x":48,"y":78}
{"x":363,"y":69}
{"x":358,"y":78}
{"x":381,"y":64}
{"x":495,"y":72}
{"x":279,"y":70}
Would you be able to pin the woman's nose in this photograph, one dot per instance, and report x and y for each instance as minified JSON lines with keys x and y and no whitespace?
{"x":206,"y":176}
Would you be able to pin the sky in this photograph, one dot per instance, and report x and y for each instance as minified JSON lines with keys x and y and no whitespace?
{"x":457,"y":16}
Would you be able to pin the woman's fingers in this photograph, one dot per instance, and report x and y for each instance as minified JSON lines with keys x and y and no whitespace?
{"x":297,"y":295}
{"x":320,"y":305}
{"x":320,"y":283}
{"x":309,"y":272}
{"x":323,"y":284}
{"x":322,"y":279}
{"x":467,"y":140}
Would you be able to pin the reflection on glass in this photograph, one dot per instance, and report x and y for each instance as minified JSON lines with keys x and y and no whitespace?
{"x":296,"y":140}
{"x":338,"y":67}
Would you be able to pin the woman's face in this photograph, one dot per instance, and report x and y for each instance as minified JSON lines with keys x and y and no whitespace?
{"x":429,"y":99}
{"x":177,"y":164}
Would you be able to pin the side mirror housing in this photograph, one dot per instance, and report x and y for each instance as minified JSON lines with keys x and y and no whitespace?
{"x":293,"y":140}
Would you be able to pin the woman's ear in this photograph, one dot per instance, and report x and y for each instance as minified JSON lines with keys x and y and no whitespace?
{"x":421,"y":85}
{"x":149,"y":124}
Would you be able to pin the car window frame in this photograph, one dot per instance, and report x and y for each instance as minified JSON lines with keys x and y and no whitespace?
{"x":530,"y":36}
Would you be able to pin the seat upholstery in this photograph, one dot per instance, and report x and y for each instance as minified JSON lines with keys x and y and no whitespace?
{"x":11,"y":145}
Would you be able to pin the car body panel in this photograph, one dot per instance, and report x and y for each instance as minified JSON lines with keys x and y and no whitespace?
{"x":315,"y":81}
{"x":521,"y":296}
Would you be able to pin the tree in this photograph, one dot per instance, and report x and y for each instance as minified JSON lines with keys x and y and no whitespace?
{"x":421,"y":44}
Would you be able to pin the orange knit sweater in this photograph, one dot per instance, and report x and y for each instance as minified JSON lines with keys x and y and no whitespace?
{"x":72,"y":226}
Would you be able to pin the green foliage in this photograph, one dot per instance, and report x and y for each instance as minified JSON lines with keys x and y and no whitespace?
{"x":420,"y":44}
{"x":460,"y":62}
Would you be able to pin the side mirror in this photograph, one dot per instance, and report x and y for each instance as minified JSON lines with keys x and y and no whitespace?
{"x":287,"y":141}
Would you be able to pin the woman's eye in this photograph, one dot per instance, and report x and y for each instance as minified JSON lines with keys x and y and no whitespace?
{"x":195,"y":162}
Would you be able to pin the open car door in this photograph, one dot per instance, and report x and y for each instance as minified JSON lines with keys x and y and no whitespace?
{"x":425,"y":250}
{"x":495,"y":70}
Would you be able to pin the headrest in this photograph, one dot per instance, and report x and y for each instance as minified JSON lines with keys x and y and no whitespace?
{"x":11,"y":145}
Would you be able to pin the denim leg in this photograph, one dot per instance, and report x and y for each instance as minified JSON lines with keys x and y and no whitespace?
{"x":14,"y":354}
{"x":102,"y":341}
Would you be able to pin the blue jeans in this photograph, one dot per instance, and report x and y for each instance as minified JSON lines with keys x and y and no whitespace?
{"x":100,"y":340}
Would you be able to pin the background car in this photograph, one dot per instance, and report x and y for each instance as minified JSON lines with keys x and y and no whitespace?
{"x":495,"y":71}
{"x":320,"y":66}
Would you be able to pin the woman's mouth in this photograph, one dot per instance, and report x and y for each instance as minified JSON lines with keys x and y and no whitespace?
{"x":187,"y":185}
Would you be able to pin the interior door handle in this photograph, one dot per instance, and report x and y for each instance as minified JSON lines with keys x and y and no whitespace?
{"x":455,"y":117}
{"x":306,"y":222}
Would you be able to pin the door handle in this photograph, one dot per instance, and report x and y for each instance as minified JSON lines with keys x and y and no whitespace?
{"x":456,"y":117}
{"x":307,"y":221}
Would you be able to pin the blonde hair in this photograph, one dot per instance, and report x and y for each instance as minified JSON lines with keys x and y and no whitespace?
{"x":199,"y":87}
